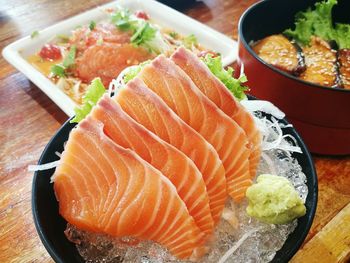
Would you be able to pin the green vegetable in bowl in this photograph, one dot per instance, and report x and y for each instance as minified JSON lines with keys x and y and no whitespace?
{"x":274,"y":200}
{"x":318,"y":22}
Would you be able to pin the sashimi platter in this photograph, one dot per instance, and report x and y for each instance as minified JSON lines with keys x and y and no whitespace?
{"x":168,"y":160}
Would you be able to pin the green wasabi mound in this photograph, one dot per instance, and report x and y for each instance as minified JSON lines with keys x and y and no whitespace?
{"x":273,"y":199}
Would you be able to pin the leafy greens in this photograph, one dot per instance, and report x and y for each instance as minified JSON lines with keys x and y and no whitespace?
{"x":93,"y":93}
{"x":234,"y":85}
{"x":319,"y":22}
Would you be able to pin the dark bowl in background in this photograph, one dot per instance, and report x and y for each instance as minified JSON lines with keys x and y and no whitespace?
{"x":320,"y":114}
{"x":50,"y":225}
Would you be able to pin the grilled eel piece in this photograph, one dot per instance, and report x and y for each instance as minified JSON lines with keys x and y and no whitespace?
{"x":321,"y":63}
{"x":344,"y":67}
{"x":281,"y":53}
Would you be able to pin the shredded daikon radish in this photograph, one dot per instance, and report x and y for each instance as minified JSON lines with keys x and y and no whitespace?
{"x":237,"y":245}
{"x":264,"y":106}
{"x":42,"y":167}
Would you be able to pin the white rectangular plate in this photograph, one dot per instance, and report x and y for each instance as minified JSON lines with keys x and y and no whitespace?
{"x":16,"y":52}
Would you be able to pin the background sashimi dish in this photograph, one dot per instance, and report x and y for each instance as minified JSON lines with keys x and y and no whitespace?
{"x":103,"y":49}
{"x":157,"y":161}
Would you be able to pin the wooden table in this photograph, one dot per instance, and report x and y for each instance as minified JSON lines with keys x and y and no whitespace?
{"x":28,"y":119}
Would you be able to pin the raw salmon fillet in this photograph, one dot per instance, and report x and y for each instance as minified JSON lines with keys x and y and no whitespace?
{"x":216,"y":91}
{"x":173,"y":164}
{"x":84,"y":37}
{"x":143,"y":105}
{"x":108,"y":60}
{"x":105,"y":188}
{"x":178,"y":91}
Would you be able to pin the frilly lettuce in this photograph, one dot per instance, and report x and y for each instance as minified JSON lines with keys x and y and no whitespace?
{"x":318,"y":22}
{"x":93,"y":93}
{"x":234,"y":85}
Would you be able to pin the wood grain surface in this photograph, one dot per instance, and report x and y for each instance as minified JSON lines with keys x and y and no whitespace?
{"x":28,"y":119}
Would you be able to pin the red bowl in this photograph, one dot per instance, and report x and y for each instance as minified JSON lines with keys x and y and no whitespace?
{"x":320,"y":114}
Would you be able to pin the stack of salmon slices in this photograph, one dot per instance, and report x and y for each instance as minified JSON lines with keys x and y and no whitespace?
{"x":159,"y":159}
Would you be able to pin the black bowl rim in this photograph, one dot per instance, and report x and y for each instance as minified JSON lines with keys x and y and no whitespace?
{"x":38,"y":227}
{"x":250,"y":11}
{"x":314,"y":196}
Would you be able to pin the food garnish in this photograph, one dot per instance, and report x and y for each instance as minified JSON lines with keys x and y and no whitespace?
{"x":92,"y":25}
{"x":34,"y":34}
{"x":93,"y":93}
{"x":226,"y":76}
{"x":190,"y":41}
{"x":274,"y":200}
{"x":319,"y":22}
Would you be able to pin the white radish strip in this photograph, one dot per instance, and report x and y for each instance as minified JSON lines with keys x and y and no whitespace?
{"x":264,"y":106}
{"x":42,"y":167}
{"x":237,"y":245}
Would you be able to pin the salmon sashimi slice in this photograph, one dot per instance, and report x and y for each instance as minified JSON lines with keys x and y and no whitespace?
{"x":173,"y":164}
{"x":149,"y":110}
{"x":84,"y":37}
{"x":217,"y":92}
{"x":178,"y":91}
{"x":143,"y":203}
{"x":108,"y":60}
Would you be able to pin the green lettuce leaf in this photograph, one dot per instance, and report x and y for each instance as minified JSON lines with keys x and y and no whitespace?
{"x":93,"y":93}
{"x":189,"y":41}
{"x":132,"y":72}
{"x":342,"y":35}
{"x":234,"y":85}
{"x":318,"y":22}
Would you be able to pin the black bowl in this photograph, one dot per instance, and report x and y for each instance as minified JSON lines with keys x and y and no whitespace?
{"x":50,"y":225}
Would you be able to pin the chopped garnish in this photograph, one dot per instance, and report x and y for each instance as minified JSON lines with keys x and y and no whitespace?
{"x":93,"y":93}
{"x":319,"y":22}
{"x":50,"y":52}
{"x":34,"y":34}
{"x":173,"y":34}
{"x":92,"y":25}
{"x":233,"y":84}
{"x":142,"y":14}
{"x":123,"y":21}
{"x":143,"y":34}
{"x":62,"y":38}
{"x":190,"y":41}
{"x":69,"y":60}
{"x":58,"y":70}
